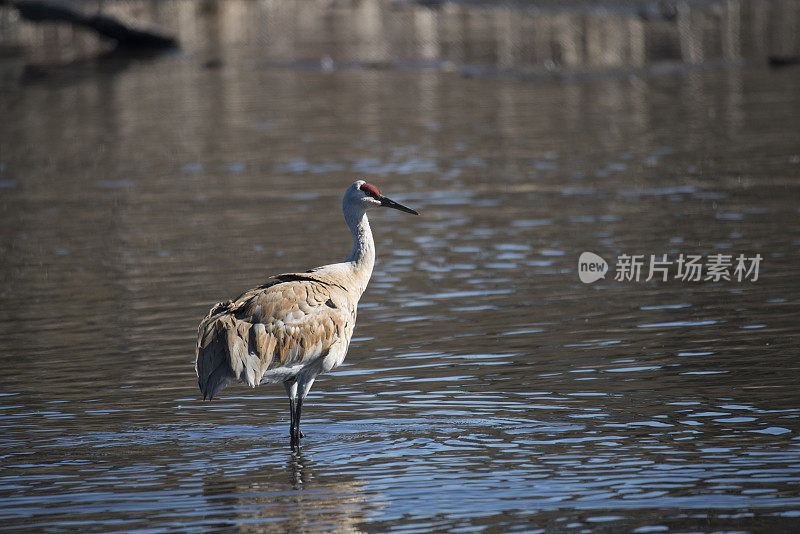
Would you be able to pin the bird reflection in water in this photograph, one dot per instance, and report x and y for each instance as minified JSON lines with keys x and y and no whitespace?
{"x":299,"y":468}
{"x":296,"y":494}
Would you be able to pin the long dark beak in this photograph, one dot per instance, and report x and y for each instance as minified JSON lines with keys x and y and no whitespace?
{"x":389,"y":203}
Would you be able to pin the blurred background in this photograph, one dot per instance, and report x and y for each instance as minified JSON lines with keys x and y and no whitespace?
{"x":486,"y":387}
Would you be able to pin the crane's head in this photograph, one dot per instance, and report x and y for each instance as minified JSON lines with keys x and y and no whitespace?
{"x":366,"y":196}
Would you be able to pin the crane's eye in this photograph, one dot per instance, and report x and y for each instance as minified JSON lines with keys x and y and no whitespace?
{"x":371,"y":190}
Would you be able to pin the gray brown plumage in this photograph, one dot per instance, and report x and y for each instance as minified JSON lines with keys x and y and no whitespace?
{"x":295,"y":326}
{"x":290,"y":321}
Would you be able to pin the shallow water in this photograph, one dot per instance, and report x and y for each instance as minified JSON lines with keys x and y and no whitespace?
{"x":486,"y":386}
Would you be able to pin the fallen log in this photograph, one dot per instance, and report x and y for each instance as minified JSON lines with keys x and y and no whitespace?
{"x":126,"y":35}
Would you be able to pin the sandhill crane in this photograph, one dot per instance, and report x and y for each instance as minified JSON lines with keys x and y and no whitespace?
{"x":297,"y":325}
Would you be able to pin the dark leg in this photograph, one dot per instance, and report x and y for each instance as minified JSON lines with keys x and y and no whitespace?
{"x":292,"y":409}
{"x":302,"y":385}
{"x":291,"y":391}
{"x":296,"y":418}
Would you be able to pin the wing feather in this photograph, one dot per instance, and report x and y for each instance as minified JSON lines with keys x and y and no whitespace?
{"x":276,"y":325}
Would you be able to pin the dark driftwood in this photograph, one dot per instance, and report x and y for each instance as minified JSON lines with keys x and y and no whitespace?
{"x":125,"y":35}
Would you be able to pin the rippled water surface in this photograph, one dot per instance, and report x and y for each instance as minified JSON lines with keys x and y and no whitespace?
{"x":486,"y":386}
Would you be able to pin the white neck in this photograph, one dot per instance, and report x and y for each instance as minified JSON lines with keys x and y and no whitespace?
{"x":362,"y":258}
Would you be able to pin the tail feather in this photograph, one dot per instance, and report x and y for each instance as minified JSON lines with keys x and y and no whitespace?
{"x":213,"y":365}
{"x":216,"y":382}
{"x":229,"y":349}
